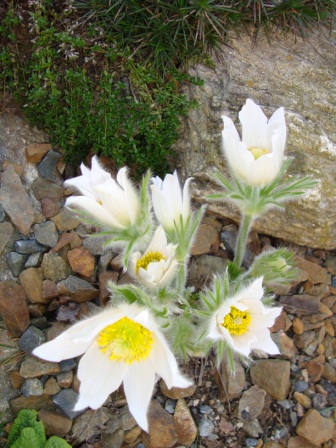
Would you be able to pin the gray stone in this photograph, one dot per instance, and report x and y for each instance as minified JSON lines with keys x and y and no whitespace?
{"x":300,"y":386}
{"x":42,"y":188}
{"x":28,"y":246}
{"x":205,"y":409}
{"x":31,"y":338}
{"x":2,"y":213}
{"x":47,"y":168}
{"x":16,"y":262}
{"x":78,"y":289}
{"x":305,"y":86}
{"x":32,"y":386}
{"x":170,"y":406}
{"x":46,"y":233}
{"x":6,"y":231}
{"x":15,"y":200}
{"x":66,"y":400}
{"x":96,"y":244}
{"x":34,"y":260}
{"x":205,"y":427}
{"x":67,"y":364}
{"x":251,"y":403}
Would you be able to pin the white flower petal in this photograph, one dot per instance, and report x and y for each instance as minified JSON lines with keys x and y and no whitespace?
{"x":165,"y":364}
{"x":99,"y":377}
{"x":239,"y":158}
{"x":94,"y":209}
{"x":169,"y":274}
{"x":138,"y":386}
{"x":186,"y":200}
{"x":158,"y":242}
{"x":265,"y":343}
{"x":262,"y":317}
{"x":242,"y":344}
{"x":254,"y":291}
{"x":161,"y":209}
{"x":83,"y":185}
{"x":254,"y":125}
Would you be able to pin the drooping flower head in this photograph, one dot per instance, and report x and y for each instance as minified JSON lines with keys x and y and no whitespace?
{"x":122,"y":344}
{"x":115,"y":204}
{"x":157,"y":266}
{"x":255,"y":159}
{"x":170,"y":202}
{"x":243,"y":321}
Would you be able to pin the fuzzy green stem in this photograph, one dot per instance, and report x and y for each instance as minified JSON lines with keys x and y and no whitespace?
{"x":244,"y":229}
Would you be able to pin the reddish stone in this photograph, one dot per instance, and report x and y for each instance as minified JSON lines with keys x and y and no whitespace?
{"x":13,"y":308}
{"x":81,"y":261}
{"x":63,"y":240}
{"x":49,"y":207}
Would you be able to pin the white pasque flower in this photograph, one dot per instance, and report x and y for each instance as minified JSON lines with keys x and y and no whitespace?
{"x":113,"y":203}
{"x":169,"y":201}
{"x":122,"y":344}
{"x":243,"y":321}
{"x":157,"y":267}
{"x":256,"y":159}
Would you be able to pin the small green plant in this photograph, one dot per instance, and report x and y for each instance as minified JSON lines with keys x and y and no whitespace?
{"x":27,"y":432}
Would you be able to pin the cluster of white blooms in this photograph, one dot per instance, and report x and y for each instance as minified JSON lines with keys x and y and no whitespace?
{"x":155,"y":227}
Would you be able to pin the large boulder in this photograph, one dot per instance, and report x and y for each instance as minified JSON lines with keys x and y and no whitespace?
{"x":296,"y":74}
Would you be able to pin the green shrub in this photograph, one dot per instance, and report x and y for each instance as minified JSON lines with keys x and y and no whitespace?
{"x":27,"y":432}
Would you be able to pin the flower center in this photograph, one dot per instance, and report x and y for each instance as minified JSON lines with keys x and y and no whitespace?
{"x":258,"y":152}
{"x":144,"y":261}
{"x":236,"y":321}
{"x":125,"y":341}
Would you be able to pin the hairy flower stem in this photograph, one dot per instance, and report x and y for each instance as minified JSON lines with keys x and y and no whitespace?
{"x":244,"y":229}
{"x":182,"y":276}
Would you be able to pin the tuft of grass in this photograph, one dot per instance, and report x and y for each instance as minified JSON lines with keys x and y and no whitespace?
{"x":168,"y":34}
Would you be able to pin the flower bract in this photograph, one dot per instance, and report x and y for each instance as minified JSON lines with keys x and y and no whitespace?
{"x":157,"y":266}
{"x":243,"y":321}
{"x":257,"y":157}
{"x":122,"y":344}
{"x":170,"y":202}
{"x":114,"y":204}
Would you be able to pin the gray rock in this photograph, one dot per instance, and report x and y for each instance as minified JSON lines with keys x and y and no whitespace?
{"x":251,"y":403}
{"x":34,"y":260}
{"x":78,"y":289}
{"x":47,"y":168}
{"x":67,"y":364}
{"x":96,"y":244}
{"x":42,"y":188}
{"x":31,"y":338}
{"x":305,"y":87}
{"x":28,"y":246}
{"x":46,"y":233}
{"x":170,"y":406}
{"x":300,"y":386}
{"x":319,"y":401}
{"x":251,"y":442}
{"x":32,"y":386}
{"x":66,"y":400}
{"x":205,"y":409}
{"x":16,"y":262}
{"x":205,"y":427}
{"x":2,"y":213}
{"x":15,"y":200}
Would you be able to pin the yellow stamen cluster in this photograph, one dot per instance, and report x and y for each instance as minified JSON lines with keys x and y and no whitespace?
{"x":144,"y":261}
{"x":236,"y":321}
{"x":258,"y":152}
{"x":126,"y":341}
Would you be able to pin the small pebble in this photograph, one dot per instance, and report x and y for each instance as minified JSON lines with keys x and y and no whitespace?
{"x":205,"y":409}
{"x":170,"y":406}
{"x":319,"y":401}
{"x":294,"y":419}
{"x":286,"y":404}
{"x":251,"y":442}
{"x":300,"y":386}
{"x":205,"y":427}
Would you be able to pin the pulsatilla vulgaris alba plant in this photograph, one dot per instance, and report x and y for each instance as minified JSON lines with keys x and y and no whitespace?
{"x":156,"y":319}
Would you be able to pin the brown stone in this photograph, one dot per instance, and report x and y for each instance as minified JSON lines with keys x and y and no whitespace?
{"x":225,"y":426}
{"x":104,"y":279}
{"x":329,"y":372}
{"x":6,"y":230}
{"x":282,"y":322}
{"x":31,"y":280}
{"x":42,"y":188}
{"x":13,"y":308}
{"x":251,"y":403}
{"x":285,"y":344}
{"x":64,"y":239}
{"x":49,"y":207}
{"x":298,"y":325}
{"x":51,"y":387}
{"x":65,"y":220}
{"x":316,"y":274}
{"x":33,"y":367}
{"x":81,"y":261}
{"x":16,"y":379}
{"x":299,"y":442}
{"x":302,"y":303}
{"x":49,"y":290}
{"x":206,"y":238}
{"x":17,"y":168}
{"x":15,"y":201}
{"x":36,"y":151}
{"x":176,"y":392}
{"x":272,"y":375}
{"x":315,"y":428}
{"x":230,"y":385}
{"x":303,"y":400}
{"x":185,"y":425}
{"x":33,"y":402}
{"x":54,"y":423}
{"x":162,"y":429}
{"x":132,"y":435}
{"x":315,"y":368}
